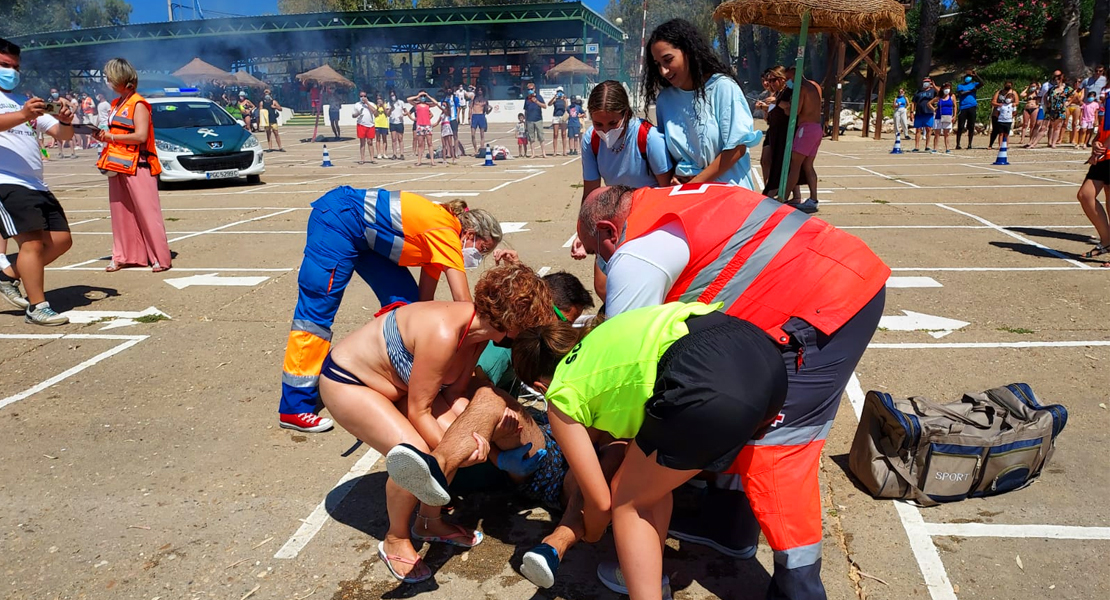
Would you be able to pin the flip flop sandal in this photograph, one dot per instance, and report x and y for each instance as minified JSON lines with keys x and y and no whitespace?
{"x":112,"y":268}
{"x":419,"y":473}
{"x":388,"y":560}
{"x":1098,"y":250}
{"x":453,"y":539}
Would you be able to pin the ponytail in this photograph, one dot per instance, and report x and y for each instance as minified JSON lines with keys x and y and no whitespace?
{"x":478,"y":221}
{"x":609,"y":96}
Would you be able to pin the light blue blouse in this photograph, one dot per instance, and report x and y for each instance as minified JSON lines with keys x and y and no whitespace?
{"x":699,"y":130}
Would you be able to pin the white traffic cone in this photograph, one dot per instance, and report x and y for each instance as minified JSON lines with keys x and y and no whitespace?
{"x":489,"y":157}
{"x":897,"y":143}
{"x":327,"y":158}
{"x":1001,"y":160}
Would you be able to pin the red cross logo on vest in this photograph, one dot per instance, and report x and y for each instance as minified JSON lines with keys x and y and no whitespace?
{"x":778,"y":420}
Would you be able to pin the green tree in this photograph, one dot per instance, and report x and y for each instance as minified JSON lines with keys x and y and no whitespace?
{"x":23,"y":17}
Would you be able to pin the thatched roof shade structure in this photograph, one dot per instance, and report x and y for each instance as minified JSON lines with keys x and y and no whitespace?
{"x":246,"y":80}
{"x":326,"y":76}
{"x":571,"y":66}
{"x":826,"y":16}
{"x":198,"y":71}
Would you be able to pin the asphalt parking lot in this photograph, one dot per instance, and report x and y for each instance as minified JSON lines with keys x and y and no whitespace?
{"x":144,"y":458}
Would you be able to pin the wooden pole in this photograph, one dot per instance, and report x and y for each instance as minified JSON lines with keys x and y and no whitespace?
{"x":869,"y":88}
{"x":884,"y":59}
{"x":829,"y":80}
{"x":838,"y":105}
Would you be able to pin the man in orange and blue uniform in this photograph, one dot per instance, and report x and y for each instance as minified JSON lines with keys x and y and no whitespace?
{"x":817,"y":291}
{"x":377,"y":234}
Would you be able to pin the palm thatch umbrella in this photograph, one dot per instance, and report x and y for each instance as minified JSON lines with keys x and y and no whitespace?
{"x":325,"y":75}
{"x":802,"y":16}
{"x":571,"y":66}
{"x":246,"y":80}
{"x":198,"y":71}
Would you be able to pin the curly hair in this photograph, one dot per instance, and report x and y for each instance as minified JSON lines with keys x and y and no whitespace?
{"x":513,"y":298}
{"x":702,"y":61}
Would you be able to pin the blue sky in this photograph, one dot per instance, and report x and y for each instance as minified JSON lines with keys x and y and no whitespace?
{"x":147,"y":11}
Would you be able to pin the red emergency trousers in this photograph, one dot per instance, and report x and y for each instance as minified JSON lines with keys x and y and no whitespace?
{"x":787,"y":273}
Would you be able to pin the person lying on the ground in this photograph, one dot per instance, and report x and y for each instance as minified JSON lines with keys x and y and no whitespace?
{"x":405,"y":377}
{"x":570,"y":300}
{"x":498,"y":428}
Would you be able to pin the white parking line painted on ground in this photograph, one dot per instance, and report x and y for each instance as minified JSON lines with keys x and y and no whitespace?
{"x":570,"y":241}
{"x":511,"y":227}
{"x":962,"y":187}
{"x":990,"y":269}
{"x":576,"y":158}
{"x":912,"y":282}
{"x":924,"y":550}
{"x":848,"y":156}
{"x":128,"y":341}
{"x":1019,"y":238}
{"x":525,"y":178}
{"x":975,"y":345}
{"x":964,"y":227}
{"x":888,"y":177}
{"x":87,"y":221}
{"x":994,"y":170}
{"x":543,"y":271}
{"x":1054,"y":532}
{"x":315,"y":521}
{"x":215,"y":229}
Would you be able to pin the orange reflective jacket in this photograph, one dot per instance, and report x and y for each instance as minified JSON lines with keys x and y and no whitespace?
{"x":766,"y":261}
{"x":127,"y":158}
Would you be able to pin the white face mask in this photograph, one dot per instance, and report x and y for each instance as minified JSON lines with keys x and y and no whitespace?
{"x":613,"y":136}
{"x":472,"y":257}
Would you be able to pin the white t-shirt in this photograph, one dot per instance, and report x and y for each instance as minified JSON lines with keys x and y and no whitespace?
{"x":103,"y":111}
{"x":1005,"y":113}
{"x":1094,"y":84}
{"x":643,"y":270}
{"x":396,"y":112}
{"x":364,"y":114}
{"x":20,"y":156}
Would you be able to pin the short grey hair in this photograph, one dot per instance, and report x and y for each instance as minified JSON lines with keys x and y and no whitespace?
{"x":609,"y":204}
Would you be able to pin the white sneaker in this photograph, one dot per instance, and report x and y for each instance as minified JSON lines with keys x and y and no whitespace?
{"x":611,"y":577}
{"x":10,"y":291}
{"x":42,"y":314}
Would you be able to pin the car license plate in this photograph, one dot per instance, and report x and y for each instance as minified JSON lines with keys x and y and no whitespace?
{"x":222,"y":174}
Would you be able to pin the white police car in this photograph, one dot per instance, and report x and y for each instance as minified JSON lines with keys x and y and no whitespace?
{"x":198,"y":140}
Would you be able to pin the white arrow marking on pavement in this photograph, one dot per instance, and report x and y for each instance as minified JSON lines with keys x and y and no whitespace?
{"x":912,"y":282}
{"x":214,"y":279}
{"x":450,"y":194}
{"x":937,"y":327}
{"x":513,"y":227}
{"x":117,"y":318}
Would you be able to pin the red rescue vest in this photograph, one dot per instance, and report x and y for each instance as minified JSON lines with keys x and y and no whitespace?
{"x":127,"y":158}
{"x":765,"y":261}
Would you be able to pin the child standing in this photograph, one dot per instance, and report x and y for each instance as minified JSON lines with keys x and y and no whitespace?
{"x":521,"y":136}
{"x":946,"y":110}
{"x":446,"y":133}
{"x":1005,"y":110}
{"x":423,"y":122}
{"x":574,"y":126}
{"x":1087,"y":121}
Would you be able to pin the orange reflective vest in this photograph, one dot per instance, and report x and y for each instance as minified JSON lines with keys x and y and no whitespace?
{"x":127,"y":158}
{"x":765,"y":261}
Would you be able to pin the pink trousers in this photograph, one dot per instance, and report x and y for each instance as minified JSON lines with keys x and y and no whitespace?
{"x":138,"y":233}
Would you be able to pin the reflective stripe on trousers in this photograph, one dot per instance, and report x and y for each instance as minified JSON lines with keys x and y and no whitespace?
{"x":384,"y":203}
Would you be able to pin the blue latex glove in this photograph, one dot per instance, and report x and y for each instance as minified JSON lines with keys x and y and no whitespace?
{"x":516,"y":462}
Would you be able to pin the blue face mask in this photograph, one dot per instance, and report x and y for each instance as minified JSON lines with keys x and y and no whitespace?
{"x":9,"y":79}
{"x":967,"y":79}
{"x":790,"y":84}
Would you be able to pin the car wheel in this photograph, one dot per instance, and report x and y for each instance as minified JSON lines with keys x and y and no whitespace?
{"x":162,"y":184}
{"x":254,"y":179}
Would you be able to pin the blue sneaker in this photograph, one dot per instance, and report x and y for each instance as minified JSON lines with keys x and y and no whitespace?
{"x":611,"y":577}
{"x":540,"y":564}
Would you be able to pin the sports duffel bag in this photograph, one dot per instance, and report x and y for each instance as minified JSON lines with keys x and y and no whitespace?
{"x":983,"y":444}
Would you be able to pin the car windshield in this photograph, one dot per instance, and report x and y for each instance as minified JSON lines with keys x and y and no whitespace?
{"x":175,"y":115}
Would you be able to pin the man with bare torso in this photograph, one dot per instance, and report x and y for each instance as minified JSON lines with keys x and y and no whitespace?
{"x":807,"y":138}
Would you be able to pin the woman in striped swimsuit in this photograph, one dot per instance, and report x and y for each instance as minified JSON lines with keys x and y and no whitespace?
{"x":405,"y":377}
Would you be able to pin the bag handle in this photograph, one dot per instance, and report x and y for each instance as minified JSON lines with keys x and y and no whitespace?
{"x":914,"y":494}
{"x":916,"y":401}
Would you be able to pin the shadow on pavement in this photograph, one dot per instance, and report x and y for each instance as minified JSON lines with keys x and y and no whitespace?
{"x":1049,"y":233}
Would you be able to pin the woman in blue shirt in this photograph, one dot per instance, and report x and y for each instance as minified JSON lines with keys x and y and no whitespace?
{"x":946,"y":112}
{"x":611,"y":151}
{"x":700,"y":107}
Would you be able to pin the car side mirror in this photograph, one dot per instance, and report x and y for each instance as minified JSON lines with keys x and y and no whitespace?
{"x":241,"y":122}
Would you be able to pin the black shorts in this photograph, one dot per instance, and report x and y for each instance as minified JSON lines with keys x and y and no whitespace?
{"x":23,"y":210}
{"x":397,"y":128}
{"x":1100,"y":171}
{"x":1003,"y":127}
{"x":454,"y":126}
{"x":717,"y":388}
